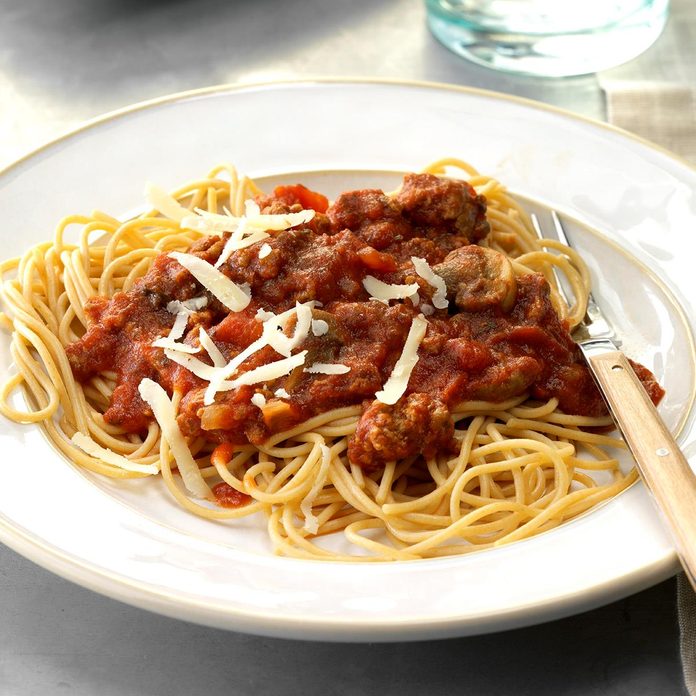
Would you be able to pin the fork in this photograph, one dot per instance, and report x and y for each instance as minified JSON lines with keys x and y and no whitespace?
{"x":662,"y":466}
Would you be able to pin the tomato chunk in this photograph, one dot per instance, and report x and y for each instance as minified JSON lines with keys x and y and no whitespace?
{"x":229,"y":497}
{"x":297,"y":193}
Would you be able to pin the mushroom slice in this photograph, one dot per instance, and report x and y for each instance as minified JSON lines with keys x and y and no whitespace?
{"x":478,"y":278}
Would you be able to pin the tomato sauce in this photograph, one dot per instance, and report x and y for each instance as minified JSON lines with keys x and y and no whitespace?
{"x":498,"y":338}
{"x":226,"y":496}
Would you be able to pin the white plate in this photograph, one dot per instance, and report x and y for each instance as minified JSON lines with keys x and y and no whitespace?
{"x":130,"y":542}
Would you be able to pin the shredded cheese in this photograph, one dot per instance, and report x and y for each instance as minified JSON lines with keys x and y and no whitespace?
{"x":263,"y":315}
{"x":319,"y":327}
{"x":272,"y":335}
{"x":211,"y":349}
{"x":86,"y":444}
{"x":265,"y":250}
{"x":187,"y":307}
{"x":273,"y":328}
{"x":268,"y":372}
{"x":179,"y":326}
{"x":163,"y":409}
{"x":160,"y":200}
{"x":258,"y":400}
{"x":218,"y":376}
{"x":424,"y":270}
{"x":228,"y":292}
{"x":239,"y":240}
{"x":193,"y":365}
{"x":177,"y":331}
{"x":383,"y":292}
{"x":253,"y":220}
{"x":251,"y":208}
{"x":396,"y":385}
{"x":327,"y":368}
{"x":283,"y":221}
{"x":168,"y":344}
{"x":281,"y":393}
{"x":210,"y":223}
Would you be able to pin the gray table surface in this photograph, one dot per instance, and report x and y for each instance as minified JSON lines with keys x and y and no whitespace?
{"x":62,"y":62}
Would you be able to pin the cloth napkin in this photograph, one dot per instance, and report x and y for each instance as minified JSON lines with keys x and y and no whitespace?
{"x":665,"y":114}
{"x":661,"y":112}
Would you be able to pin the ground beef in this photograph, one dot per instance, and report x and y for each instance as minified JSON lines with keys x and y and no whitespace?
{"x":417,"y":423}
{"x":371,"y":215}
{"x":444,"y":205}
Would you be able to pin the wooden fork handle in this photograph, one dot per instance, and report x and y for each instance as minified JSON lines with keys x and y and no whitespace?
{"x":664,"y":468}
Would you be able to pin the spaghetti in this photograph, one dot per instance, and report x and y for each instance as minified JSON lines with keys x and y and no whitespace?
{"x":510,"y":465}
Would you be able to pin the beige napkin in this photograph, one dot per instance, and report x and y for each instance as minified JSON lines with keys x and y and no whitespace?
{"x":662,"y":113}
{"x":665,"y":114}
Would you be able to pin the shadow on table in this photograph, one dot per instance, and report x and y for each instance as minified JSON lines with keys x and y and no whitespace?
{"x":56,"y":637}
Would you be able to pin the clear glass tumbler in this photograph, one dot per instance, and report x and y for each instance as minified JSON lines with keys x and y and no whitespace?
{"x":554,"y":38}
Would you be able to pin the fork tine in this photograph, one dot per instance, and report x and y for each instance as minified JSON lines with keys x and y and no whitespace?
{"x":560,"y":230}
{"x":564,"y":239}
{"x":592,"y":311}
{"x":536,"y":225}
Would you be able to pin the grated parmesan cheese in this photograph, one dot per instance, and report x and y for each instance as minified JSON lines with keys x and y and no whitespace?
{"x":258,"y":400}
{"x":218,"y":377}
{"x":219,"y":373}
{"x":424,"y":270}
{"x":273,"y":328}
{"x":195,"y":304}
{"x":319,"y":327}
{"x":239,"y":240}
{"x":163,"y":410}
{"x":177,"y":331}
{"x":263,"y":315}
{"x":328,"y":369}
{"x":383,"y":292}
{"x":252,"y":220}
{"x":213,"y":351}
{"x":228,"y":292}
{"x":168,"y":344}
{"x":265,"y":250}
{"x":267,"y":373}
{"x":281,"y":393}
{"x":179,"y":326}
{"x":211,"y":223}
{"x":272,"y":336}
{"x":396,"y":385}
{"x":193,"y":365}
{"x":86,"y":444}
{"x":160,"y":200}
{"x":278,"y":222}
{"x":251,"y":208}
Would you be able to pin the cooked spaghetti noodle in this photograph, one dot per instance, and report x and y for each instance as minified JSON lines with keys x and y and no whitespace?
{"x":520,"y":467}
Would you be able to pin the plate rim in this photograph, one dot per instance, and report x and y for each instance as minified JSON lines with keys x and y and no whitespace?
{"x":224,"y":87}
{"x":327,"y":628}
{"x":139,"y":593}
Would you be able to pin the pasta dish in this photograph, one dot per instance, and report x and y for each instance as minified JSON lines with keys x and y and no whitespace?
{"x":393,"y":367}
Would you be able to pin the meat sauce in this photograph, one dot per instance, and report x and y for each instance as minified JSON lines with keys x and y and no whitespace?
{"x":498,"y":338}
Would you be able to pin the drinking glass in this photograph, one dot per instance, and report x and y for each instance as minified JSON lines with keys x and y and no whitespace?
{"x":547,"y":37}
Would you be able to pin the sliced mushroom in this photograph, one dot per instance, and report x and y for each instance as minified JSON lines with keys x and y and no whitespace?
{"x":478,"y":278}
{"x":507,"y":378}
{"x":322,"y":348}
